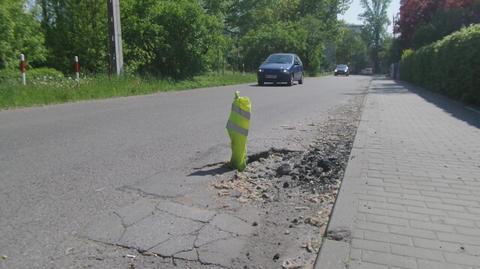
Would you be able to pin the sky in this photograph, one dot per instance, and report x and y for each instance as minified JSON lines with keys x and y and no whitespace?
{"x":351,"y":16}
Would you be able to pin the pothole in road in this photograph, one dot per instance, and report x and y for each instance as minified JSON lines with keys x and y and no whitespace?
{"x":295,"y":191}
{"x":266,"y":154}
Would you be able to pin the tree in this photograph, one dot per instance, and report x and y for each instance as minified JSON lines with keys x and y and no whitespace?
{"x":434,"y":19}
{"x":351,"y":49}
{"x":305,"y":27}
{"x":76,"y":28}
{"x":20,"y":33}
{"x":375,"y":20}
{"x":172,"y":38}
{"x":442,"y":24}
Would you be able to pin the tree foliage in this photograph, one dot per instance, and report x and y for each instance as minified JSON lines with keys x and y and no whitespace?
{"x":304,"y":27}
{"x":375,"y":20}
{"x":174,"y":38}
{"x":425,"y":21}
{"x":19,"y":33}
{"x":169,"y":38}
{"x":76,"y":28}
{"x":351,"y":49}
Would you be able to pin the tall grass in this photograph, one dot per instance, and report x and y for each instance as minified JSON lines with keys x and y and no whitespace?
{"x":50,"y":90}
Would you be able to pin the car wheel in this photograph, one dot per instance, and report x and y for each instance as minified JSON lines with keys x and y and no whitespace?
{"x":260,"y":83}
{"x":290,"y":83}
{"x":301,"y":79}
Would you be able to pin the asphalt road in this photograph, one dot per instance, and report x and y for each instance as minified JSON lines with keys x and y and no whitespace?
{"x":62,"y":167}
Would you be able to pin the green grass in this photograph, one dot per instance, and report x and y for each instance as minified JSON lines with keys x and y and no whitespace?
{"x":54,"y":91}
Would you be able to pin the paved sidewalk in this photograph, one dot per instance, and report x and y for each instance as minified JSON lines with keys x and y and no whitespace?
{"x":411,"y":193}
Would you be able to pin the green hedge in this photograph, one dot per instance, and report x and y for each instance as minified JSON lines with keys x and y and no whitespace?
{"x":34,"y":74}
{"x":450,"y":66}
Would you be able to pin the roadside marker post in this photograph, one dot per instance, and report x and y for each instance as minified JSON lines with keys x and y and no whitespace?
{"x":77,"y":69}
{"x":23,"y":69}
{"x":238,"y":126}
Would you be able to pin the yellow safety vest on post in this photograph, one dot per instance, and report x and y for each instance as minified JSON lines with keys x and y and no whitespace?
{"x":237,"y":127}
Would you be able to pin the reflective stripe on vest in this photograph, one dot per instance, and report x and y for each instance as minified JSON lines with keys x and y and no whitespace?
{"x":234,"y":127}
{"x":241,"y":112}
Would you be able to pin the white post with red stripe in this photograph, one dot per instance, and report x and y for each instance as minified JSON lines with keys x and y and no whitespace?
{"x":77,"y":69}
{"x":23,"y":68}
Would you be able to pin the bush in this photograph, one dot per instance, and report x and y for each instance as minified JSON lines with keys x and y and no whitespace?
{"x":171,"y":38}
{"x":450,"y":66}
{"x":42,"y":73}
{"x":9,"y":74}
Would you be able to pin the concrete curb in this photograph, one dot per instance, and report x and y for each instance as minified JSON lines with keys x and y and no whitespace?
{"x":336,"y":254}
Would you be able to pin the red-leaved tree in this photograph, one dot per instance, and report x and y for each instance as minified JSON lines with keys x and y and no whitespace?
{"x":414,"y":13}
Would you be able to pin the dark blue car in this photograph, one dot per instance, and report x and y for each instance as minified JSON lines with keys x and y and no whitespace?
{"x":281,"y":67}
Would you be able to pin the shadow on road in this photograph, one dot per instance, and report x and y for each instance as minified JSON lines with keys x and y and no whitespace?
{"x":271,"y":85}
{"x":212,"y":170}
{"x":454,"y":108}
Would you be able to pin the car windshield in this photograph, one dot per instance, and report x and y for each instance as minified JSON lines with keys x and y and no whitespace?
{"x":341,"y":66}
{"x":279,"y":59}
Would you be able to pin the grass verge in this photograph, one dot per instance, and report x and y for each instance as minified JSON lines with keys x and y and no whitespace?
{"x":53,"y":91}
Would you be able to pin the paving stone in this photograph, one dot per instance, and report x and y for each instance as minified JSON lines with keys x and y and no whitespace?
{"x":366,"y":265}
{"x":459,"y":258}
{"x":432,"y":226}
{"x":453,"y":221}
{"x":417,"y":252}
{"x":424,"y":264}
{"x":459,"y":238}
{"x":412,"y":232}
{"x":403,"y":201}
{"x":468,"y":231}
{"x":370,"y":226}
{"x":371,"y":245}
{"x":466,"y":216}
{"x":389,"y":259}
{"x":387,"y":220}
{"x":387,"y":237}
{"x":447,"y":246}
{"x":446,"y":207}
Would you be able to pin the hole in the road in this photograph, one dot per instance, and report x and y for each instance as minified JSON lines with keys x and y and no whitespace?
{"x":265,"y":154}
{"x":223,"y":167}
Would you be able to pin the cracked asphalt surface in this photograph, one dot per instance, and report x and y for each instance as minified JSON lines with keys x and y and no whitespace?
{"x":116,"y":183}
